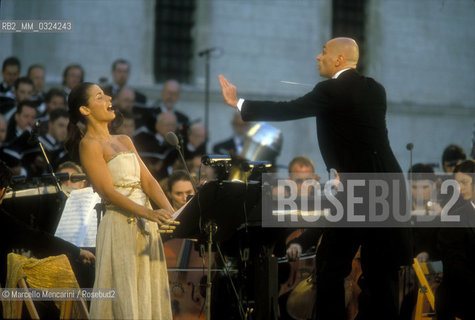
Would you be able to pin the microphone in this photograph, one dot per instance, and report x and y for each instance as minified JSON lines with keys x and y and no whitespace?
{"x":205,"y":51}
{"x":76,"y":177}
{"x":410,"y":146}
{"x":33,"y":138}
{"x":172,"y":139}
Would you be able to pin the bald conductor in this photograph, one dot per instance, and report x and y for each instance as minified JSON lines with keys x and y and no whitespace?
{"x":350,"y":113}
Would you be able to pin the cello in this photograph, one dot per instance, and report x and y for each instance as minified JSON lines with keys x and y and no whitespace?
{"x":302,"y":277}
{"x":187,"y":279}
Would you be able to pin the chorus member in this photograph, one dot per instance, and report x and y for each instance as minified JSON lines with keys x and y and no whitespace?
{"x":169,"y":97}
{"x":72,"y":76}
{"x":124,"y":100}
{"x":156,"y":142}
{"x":55,"y":98}
{"x":463,"y":174}
{"x":126,"y":125}
{"x":453,"y":154}
{"x":130,"y":255}
{"x":23,"y":120}
{"x":456,"y":293}
{"x":37,"y":73}
{"x":233,"y":146}
{"x":22,"y":91}
{"x":423,"y":185}
{"x":55,"y":136}
{"x":350,"y":112}
{"x":10,"y":73}
{"x":120,"y":72}
{"x":196,"y":144}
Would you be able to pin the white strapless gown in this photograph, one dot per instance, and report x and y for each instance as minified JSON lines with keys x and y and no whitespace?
{"x":130,"y":256}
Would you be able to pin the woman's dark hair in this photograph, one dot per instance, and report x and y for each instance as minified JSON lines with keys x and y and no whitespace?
{"x":177,"y":175}
{"x":453,"y":153}
{"x":11,"y":61}
{"x":77,"y":98}
{"x":55,"y":92}
{"x":467,"y":166}
{"x":422,"y":171}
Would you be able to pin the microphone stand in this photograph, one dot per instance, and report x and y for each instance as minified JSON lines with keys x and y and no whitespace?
{"x":207,"y":53}
{"x":209,"y":230}
{"x":50,"y":168}
{"x":34,"y":137}
{"x":406,"y":270}
{"x":409,"y":147}
{"x":180,"y":151}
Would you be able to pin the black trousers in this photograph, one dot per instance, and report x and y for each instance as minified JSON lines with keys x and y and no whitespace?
{"x":379,"y":282}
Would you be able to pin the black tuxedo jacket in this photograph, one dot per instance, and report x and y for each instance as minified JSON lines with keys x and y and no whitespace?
{"x":148,"y":116}
{"x":350,"y":113}
{"x":456,"y":293}
{"x":225,"y":147}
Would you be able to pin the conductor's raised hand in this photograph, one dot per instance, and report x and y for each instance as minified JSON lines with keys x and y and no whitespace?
{"x":229,"y":91}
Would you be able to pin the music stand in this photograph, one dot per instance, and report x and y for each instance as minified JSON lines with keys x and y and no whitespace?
{"x":214,"y":214}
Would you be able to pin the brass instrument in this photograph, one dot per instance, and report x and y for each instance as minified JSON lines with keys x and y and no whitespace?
{"x":262,"y":142}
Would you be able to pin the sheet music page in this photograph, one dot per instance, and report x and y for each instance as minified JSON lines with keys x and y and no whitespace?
{"x":177,"y":213}
{"x":78,"y":223}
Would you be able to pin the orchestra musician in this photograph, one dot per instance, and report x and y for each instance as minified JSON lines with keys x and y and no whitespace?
{"x":456,"y":293}
{"x":15,"y":234}
{"x":186,"y":295}
{"x":350,"y":111}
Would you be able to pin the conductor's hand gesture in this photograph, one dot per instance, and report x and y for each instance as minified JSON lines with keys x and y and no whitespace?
{"x":229,"y":91}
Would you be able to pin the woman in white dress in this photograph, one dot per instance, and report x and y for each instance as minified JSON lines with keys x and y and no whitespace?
{"x":130,"y":257}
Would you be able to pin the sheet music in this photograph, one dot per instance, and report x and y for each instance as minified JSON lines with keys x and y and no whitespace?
{"x":78,"y":223}
{"x":177,"y":213}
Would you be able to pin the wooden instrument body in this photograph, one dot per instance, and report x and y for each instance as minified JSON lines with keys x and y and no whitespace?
{"x":187,"y":278}
{"x":302,"y":269}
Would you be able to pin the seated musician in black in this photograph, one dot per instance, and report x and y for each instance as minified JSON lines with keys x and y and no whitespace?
{"x":302,"y":168}
{"x":456,"y":293}
{"x":15,"y":234}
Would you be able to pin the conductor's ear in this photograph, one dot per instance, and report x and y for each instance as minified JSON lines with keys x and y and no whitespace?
{"x":85,"y":111}
{"x":340,"y":60}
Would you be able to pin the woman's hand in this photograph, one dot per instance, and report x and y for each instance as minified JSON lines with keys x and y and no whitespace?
{"x":86,"y":257}
{"x":163,"y":218}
